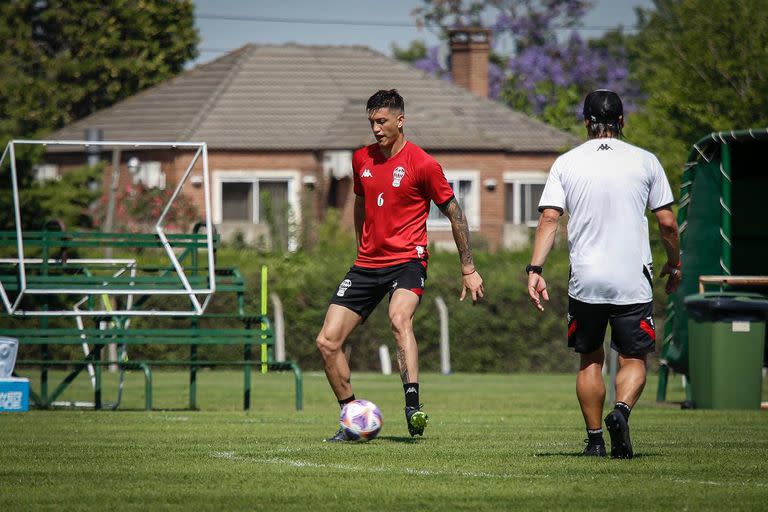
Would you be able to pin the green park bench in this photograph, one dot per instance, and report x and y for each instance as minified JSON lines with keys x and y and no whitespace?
{"x":62,"y":263}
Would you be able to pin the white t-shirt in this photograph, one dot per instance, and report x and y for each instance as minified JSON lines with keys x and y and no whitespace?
{"x":606,"y":185}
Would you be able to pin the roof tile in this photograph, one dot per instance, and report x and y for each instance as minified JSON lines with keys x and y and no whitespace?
{"x":292,"y":97}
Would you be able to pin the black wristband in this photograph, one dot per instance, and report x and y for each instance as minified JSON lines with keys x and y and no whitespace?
{"x":536,"y":269}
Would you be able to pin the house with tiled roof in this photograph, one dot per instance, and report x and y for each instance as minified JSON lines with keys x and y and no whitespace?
{"x":281,"y":122}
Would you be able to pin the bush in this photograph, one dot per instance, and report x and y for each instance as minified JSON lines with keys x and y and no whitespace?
{"x":503,"y":332}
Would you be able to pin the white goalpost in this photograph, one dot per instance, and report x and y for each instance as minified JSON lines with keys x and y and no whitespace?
{"x":125,"y":284}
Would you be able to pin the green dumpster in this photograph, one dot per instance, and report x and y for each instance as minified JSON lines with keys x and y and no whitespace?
{"x":725,"y":349}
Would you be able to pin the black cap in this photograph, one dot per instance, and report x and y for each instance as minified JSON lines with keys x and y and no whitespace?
{"x":603,"y":106}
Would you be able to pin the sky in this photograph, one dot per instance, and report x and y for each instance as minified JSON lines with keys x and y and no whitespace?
{"x":225,"y":25}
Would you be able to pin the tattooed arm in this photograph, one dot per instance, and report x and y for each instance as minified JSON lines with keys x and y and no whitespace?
{"x":471,"y":278}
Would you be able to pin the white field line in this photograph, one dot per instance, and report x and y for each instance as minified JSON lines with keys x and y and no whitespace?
{"x":724,"y":484}
{"x":297,"y":463}
{"x":170,"y":418}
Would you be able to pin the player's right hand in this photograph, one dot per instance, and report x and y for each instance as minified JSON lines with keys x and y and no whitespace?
{"x":537,"y":290}
{"x":474,"y":283}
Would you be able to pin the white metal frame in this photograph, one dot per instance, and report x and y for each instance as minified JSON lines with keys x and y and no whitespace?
{"x":198,"y":307}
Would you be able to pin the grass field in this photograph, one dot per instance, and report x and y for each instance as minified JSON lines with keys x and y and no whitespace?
{"x":494,"y":442}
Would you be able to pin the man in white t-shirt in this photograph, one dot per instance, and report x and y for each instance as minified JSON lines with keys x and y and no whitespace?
{"x":606,"y":185}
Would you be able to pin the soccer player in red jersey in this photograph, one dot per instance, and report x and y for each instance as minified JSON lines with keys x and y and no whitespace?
{"x":394,"y":183}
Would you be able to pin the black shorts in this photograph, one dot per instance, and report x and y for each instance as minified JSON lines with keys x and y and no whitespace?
{"x":362,"y":289}
{"x":632,"y":330}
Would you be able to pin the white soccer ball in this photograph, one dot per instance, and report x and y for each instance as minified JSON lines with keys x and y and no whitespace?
{"x":361,"y":420}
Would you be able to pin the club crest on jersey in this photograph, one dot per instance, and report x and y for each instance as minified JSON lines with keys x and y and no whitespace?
{"x":397,"y":176}
{"x":343,"y":287}
{"x":367,"y":174}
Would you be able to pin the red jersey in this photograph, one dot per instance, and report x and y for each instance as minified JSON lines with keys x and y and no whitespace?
{"x":397,"y":193}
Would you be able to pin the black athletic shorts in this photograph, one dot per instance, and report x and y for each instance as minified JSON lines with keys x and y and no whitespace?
{"x":632,"y":329}
{"x":362,"y":289}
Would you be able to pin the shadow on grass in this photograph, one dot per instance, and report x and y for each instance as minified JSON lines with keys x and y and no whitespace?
{"x":580,"y":456}
{"x":400,"y":439}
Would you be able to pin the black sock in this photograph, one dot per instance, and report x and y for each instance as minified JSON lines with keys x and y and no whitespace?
{"x":344,"y":402}
{"x":595,"y":436}
{"x":624,"y":409}
{"x":411,"y":391}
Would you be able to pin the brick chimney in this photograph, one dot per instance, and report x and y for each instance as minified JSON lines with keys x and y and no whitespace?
{"x":469,"y":58}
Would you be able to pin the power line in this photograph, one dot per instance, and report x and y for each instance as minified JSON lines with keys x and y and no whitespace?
{"x":364,"y":23}
{"x":309,"y":21}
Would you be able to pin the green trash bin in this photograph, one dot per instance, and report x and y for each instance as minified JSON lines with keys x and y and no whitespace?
{"x":725,"y":349}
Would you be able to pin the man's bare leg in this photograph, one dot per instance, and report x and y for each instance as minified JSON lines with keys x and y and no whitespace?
{"x":339,"y":323}
{"x":630,"y":381}
{"x":590,"y":388}
{"x":401,"y":310}
{"x":402,"y":306}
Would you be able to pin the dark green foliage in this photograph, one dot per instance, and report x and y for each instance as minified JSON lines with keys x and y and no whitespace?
{"x":413,"y":52}
{"x":67,"y":199}
{"x":501,"y":333}
{"x":61,"y":61}
{"x":702,"y":66}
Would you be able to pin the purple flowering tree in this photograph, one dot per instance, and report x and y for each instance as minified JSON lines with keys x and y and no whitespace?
{"x":545,"y":76}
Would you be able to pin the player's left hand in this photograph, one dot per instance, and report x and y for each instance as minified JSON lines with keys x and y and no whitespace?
{"x":474,"y":283}
{"x":537,"y":290}
{"x":674,"y":279}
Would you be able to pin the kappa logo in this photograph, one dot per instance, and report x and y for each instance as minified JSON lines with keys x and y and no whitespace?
{"x":649,"y":319}
{"x":367,"y":174}
{"x":419,"y":251}
{"x":422,"y":282}
{"x":410,"y":390}
{"x":345,"y":284}
{"x":604,"y":147}
{"x":397,"y":176}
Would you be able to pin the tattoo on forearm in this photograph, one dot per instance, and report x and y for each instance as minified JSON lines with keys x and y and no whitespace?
{"x":403,"y":364}
{"x":460,"y":228}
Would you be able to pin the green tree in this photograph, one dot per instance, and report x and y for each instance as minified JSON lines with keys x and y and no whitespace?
{"x":415,"y":51}
{"x":703,"y":65}
{"x":62,"y":60}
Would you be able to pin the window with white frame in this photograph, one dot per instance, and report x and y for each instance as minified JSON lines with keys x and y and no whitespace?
{"x":466,"y":189}
{"x":522,"y":192}
{"x":258,"y":197}
{"x":46,"y":172}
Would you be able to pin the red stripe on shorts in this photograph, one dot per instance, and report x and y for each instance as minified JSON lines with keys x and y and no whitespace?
{"x":648,"y":329}
{"x":572,"y":328}
{"x":418,"y":291}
